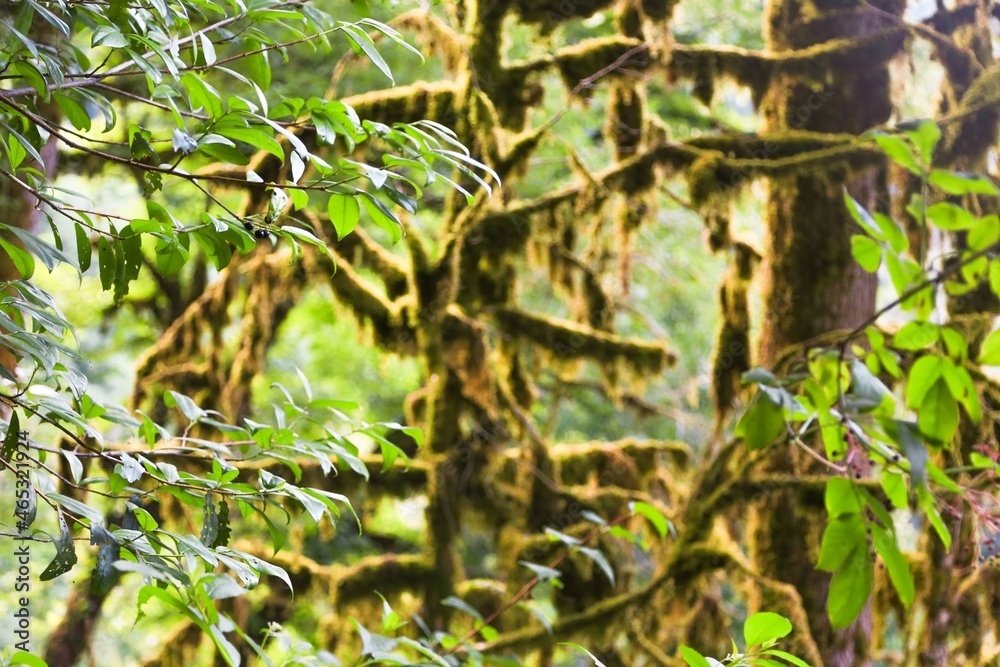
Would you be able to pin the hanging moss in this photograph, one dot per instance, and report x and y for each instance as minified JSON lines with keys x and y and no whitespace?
{"x":625,"y":463}
{"x":624,"y":119}
{"x":659,"y":10}
{"x":731,"y":356}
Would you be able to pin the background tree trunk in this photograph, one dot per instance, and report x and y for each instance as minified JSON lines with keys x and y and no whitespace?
{"x":811,"y":283}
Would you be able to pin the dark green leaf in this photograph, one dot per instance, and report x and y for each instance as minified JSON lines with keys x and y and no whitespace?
{"x":65,"y":557}
{"x":106,"y":262}
{"x":762,"y":423}
{"x":382,"y":216}
{"x":22,"y":259}
{"x":850,"y":589}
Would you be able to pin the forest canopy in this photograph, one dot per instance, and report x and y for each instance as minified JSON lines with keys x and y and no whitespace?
{"x":487,"y":332}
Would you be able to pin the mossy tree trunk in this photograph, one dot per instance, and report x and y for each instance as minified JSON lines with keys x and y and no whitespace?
{"x":812,"y":285}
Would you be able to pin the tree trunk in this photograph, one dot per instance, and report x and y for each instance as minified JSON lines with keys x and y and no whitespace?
{"x":811,"y":283}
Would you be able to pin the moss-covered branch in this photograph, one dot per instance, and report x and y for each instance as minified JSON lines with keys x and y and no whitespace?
{"x":569,"y":340}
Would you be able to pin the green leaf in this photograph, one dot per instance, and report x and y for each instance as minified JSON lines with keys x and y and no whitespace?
{"x":862,"y":217}
{"x":73,"y":110}
{"x":653,"y":515}
{"x":760,"y":376}
{"x":22,"y":259}
{"x":693,"y":658}
{"x":840,"y":498}
{"x":12,"y":437}
{"x":105,"y":35}
{"x":788,"y":657}
{"x":172,"y":257}
{"x":850,"y":589}
{"x":866,"y":386}
{"x":960,"y":183}
{"x":383,"y":217}
{"x":764,"y":627}
{"x":925,"y":137}
{"x":927,"y":504}
{"x":65,"y":557}
{"x":260,"y":69}
{"x":899,"y":151}
{"x":15,"y":152}
{"x":22,"y":658}
{"x":832,"y":433}
{"x":989,"y":351}
{"x":84,"y":250}
{"x":842,"y":537}
{"x":895,"y":563}
{"x":946,"y":215}
{"x":894,"y":485}
{"x":106,"y":262}
{"x":995,"y":276}
{"x":762,"y":423}
{"x":892,"y":232}
{"x":344,"y":213}
{"x":938,"y":415}
{"x":360,"y":40}
{"x":916,"y":336}
{"x":256,"y":138}
{"x":985,"y":233}
{"x":955,"y":344}
{"x":300,"y":198}
{"x":866,"y":252}
{"x":926,"y":371}
{"x":32,"y":75}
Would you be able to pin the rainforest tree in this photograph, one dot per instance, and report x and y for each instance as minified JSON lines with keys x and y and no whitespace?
{"x":845,"y":480}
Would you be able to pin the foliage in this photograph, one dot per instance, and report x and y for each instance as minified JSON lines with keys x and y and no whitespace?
{"x":70,"y":61}
{"x":525,"y":327}
{"x":868,"y":432}
{"x":761,"y":632}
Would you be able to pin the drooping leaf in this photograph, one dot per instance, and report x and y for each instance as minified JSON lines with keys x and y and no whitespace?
{"x":895,"y":563}
{"x":762,"y":423}
{"x":850,"y":589}
{"x":938,"y":414}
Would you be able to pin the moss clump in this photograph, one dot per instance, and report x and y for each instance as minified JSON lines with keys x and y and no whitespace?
{"x":623,"y":123}
{"x":732,"y":348}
